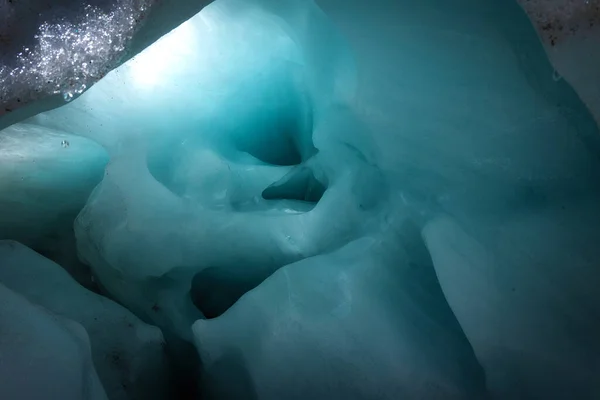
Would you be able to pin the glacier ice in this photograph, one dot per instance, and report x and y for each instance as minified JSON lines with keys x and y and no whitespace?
{"x":524,"y":269}
{"x":329,"y":199}
{"x":127,"y":354}
{"x":253,"y":182}
{"x":43,"y":355}
{"x":366,"y":321}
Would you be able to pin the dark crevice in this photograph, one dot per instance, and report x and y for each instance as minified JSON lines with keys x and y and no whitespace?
{"x":300,"y":184}
{"x":214,"y":290}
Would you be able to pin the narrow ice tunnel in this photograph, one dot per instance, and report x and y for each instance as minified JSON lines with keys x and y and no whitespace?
{"x":299,"y":199}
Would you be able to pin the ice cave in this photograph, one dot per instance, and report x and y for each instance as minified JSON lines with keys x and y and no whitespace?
{"x":299,"y":199}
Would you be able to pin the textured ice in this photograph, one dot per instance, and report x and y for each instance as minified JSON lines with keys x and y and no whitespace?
{"x":243,"y":198}
{"x":128,"y":354}
{"x":60,"y":49}
{"x":367,"y":321}
{"x":44,"y":356}
{"x":383,"y":199}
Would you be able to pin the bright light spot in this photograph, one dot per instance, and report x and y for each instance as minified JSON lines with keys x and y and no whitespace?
{"x":156,"y":63}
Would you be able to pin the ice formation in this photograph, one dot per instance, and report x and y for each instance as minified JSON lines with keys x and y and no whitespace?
{"x":360,"y":312}
{"x":128,"y":354}
{"x":298,"y":199}
{"x":43,"y":356}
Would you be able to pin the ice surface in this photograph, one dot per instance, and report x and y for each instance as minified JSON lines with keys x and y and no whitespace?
{"x":44,"y":356}
{"x":273,"y":139}
{"x":45,"y":180}
{"x":534,"y":324}
{"x":452,"y":124}
{"x":367,"y":321}
{"x":227,"y":197}
{"x":128,"y":354}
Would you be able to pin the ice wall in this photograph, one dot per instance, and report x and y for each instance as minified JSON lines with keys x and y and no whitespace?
{"x":328,"y":199}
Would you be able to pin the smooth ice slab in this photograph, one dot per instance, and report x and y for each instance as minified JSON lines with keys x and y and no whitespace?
{"x":43,"y":356}
{"x":524,"y":288}
{"x":128,"y":354}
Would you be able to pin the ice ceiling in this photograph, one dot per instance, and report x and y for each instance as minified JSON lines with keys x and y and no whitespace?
{"x":298,"y":199}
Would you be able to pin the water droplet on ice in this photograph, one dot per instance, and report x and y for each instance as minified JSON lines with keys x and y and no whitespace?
{"x":68,"y":96}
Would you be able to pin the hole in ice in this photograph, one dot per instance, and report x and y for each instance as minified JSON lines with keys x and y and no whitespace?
{"x":214,"y":290}
{"x":276,"y":143}
{"x":251,"y":140}
{"x":297,"y":185}
{"x":274,"y":124}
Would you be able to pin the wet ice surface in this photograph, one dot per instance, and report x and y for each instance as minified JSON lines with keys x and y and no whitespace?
{"x":276,"y":185}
